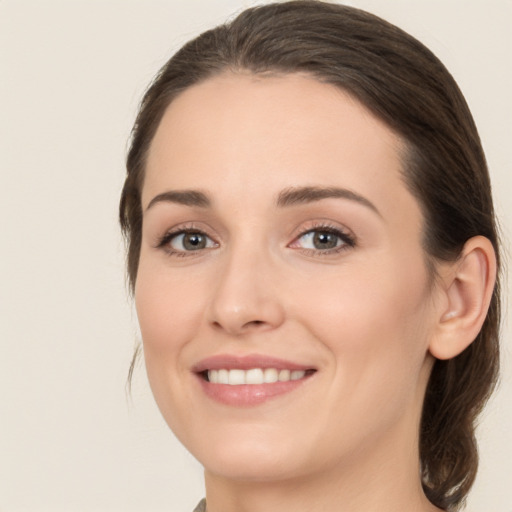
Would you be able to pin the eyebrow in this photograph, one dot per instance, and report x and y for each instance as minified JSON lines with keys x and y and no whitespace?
{"x":289,"y":197}
{"x":184,"y":197}
{"x":303,"y":195}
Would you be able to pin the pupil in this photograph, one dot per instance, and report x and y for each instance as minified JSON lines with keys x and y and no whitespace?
{"x":323,"y":240}
{"x":194,"y":241}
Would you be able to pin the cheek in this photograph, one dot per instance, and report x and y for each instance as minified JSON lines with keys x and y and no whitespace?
{"x":167,"y":309}
{"x":378,"y":372}
{"x":374,"y":321}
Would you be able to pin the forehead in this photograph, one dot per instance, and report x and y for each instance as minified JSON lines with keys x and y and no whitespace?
{"x":255,"y":135}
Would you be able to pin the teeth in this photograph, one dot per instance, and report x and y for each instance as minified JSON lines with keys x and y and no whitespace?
{"x":253,"y":376}
{"x":270,"y":375}
{"x":223,"y":377}
{"x":284,"y":375}
{"x":213,"y":376}
{"x":297,"y":374}
{"x":236,"y":377}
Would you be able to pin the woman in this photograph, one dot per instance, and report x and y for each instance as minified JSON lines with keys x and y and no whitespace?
{"x":313,"y":253}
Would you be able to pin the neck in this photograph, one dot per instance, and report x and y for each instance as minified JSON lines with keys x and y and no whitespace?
{"x":386,"y":480}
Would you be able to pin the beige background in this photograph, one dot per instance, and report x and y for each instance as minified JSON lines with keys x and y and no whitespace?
{"x":71,"y":75}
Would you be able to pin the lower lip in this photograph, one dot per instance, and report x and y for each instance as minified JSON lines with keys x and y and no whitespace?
{"x":247,"y":395}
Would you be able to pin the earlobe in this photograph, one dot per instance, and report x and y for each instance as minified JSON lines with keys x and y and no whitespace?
{"x":468,"y":287}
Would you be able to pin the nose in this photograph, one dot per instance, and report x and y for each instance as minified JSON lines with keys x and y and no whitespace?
{"x":246,"y":297}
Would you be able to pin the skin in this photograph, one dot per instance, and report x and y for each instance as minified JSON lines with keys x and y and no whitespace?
{"x":362,"y":316}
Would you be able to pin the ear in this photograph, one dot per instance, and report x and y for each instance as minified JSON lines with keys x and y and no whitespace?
{"x":467,"y":287}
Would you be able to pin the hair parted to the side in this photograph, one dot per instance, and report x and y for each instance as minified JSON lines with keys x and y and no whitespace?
{"x":405,"y":85}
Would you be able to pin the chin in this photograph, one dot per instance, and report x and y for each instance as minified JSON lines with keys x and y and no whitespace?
{"x":256,"y":457}
{"x":253,"y":467}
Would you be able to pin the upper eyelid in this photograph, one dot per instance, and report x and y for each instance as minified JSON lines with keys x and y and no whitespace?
{"x":323,"y":225}
{"x":301,"y":230}
{"x":164,"y":243}
{"x":347,"y":239}
{"x":188,"y":227}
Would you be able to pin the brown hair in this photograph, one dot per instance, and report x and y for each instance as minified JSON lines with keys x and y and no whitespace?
{"x":406,"y":86}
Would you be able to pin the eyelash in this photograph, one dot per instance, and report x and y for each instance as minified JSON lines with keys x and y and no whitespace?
{"x":348,"y":240}
{"x":165,"y":241}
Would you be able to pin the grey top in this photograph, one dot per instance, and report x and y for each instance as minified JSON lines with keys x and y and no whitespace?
{"x":201,"y":506}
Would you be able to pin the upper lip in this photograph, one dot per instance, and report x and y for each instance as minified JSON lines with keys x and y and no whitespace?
{"x":247,"y":362}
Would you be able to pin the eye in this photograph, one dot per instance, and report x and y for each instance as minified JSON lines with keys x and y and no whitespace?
{"x":320,"y":240}
{"x":323,"y":239}
{"x":184,"y":241}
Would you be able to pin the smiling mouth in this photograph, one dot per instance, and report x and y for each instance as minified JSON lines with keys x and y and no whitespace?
{"x":249,"y":380}
{"x":253,"y":376}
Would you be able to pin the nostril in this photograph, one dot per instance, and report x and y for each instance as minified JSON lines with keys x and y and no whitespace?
{"x":253,"y":323}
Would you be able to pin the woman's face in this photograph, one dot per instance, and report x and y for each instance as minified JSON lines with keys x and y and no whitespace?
{"x":282,"y":292}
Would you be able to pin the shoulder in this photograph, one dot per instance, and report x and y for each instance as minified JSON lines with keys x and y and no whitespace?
{"x":201,"y":506}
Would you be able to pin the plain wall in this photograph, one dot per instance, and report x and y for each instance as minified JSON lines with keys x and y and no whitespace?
{"x":71,"y":75}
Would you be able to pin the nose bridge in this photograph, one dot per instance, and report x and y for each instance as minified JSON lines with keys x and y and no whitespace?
{"x":245,"y":296}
